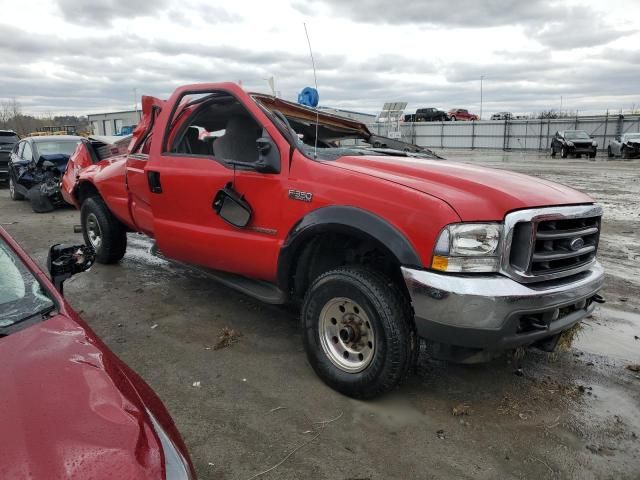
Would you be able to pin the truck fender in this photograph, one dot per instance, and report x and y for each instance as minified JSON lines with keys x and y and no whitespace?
{"x":343,"y":219}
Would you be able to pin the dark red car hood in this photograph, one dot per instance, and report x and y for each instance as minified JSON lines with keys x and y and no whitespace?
{"x":67,"y":410}
{"x":474,"y":192}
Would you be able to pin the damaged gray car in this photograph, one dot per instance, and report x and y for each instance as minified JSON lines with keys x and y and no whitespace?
{"x":36,"y":166}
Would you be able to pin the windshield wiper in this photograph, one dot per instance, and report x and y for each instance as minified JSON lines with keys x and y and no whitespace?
{"x":42,"y":313}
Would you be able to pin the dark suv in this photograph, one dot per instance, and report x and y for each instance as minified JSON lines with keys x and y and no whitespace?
{"x":8,"y":138}
{"x":573,"y":142}
{"x":427,"y":115}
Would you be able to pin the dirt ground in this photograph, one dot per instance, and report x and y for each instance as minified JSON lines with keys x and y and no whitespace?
{"x":571,"y":415}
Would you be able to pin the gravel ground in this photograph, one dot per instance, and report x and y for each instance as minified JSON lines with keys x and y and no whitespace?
{"x":571,"y":415}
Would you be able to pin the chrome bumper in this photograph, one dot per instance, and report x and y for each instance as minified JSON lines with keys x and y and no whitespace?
{"x":496,"y":312}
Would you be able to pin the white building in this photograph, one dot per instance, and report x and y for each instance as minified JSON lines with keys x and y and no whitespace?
{"x":112,"y":123}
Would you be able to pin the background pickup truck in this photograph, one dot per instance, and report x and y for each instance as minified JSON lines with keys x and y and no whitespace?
{"x":379,"y":245}
{"x":427,"y":115}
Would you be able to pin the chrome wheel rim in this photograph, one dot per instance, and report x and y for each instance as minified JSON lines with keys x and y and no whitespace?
{"x":12,"y":188}
{"x":93,"y":231}
{"x":346,"y":335}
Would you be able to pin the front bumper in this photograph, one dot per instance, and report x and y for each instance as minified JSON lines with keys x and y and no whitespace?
{"x":494,"y":312}
{"x":579,"y":150}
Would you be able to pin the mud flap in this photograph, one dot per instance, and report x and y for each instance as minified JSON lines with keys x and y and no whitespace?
{"x":40,"y":202}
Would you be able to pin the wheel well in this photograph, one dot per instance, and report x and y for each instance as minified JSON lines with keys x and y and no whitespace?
{"x":86,"y":190}
{"x":332,"y":249}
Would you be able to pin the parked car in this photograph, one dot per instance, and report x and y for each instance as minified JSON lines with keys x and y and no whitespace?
{"x":8,"y":138}
{"x":368,"y":239}
{"x":573,"y":142}
{"x":427,"y":115}
{"x":502,"y":116}
{"x":457,"y":114}
{"x":35,"y":168}
{"x":625,"y":146}
{"x":70,"y":408}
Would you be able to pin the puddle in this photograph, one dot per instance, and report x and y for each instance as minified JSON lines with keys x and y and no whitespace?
{"x":611,"y":333}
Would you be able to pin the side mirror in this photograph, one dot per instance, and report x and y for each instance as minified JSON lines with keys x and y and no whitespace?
{"x":268,"y":156}
{"x":64,"y":261}
{"x":231,"y":207}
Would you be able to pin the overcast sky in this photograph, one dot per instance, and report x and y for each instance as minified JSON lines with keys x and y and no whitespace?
{"x":78,"y":56}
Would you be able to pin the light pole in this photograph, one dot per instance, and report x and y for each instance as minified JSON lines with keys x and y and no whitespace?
{"x":481,"y":80}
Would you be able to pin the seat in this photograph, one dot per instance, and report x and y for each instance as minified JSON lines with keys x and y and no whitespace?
{"x":192,"y":144}
{"x":239,"y":140}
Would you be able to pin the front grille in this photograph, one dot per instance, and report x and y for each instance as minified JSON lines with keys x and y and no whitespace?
{"x":564,"y":244}
{"x":583,"y":145}
{"x":545,"y":244}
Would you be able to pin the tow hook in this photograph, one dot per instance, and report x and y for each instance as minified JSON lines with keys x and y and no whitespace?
{"x":598,"y":298}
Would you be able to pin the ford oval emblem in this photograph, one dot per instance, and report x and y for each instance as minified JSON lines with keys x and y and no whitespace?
{"x":576,"y":244}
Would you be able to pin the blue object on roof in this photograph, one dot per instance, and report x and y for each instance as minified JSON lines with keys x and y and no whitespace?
{"x":309,"y":97}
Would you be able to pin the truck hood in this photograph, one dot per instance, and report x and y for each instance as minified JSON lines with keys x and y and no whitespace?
{"x":475,"y":193}
{"x":68,"y":411}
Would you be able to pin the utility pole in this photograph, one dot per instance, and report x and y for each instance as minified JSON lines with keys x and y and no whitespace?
{"x":560,"y":105}
{"x":481,"y":79}
{"x":135,"y":102}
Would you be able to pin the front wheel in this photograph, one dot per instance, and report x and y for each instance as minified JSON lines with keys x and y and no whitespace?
{"x":563,"y":152}
{"x":358,"y":331}
{"x":625,"y":153}
{"x":553,"y":151}
{"x":103,"y":231}
{"x":609,"y":152}
{"x":453,"y":119}
{"x":13,"y":194}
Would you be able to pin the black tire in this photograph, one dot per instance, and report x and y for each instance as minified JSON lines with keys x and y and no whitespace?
{"x":13,"y":195}
{"x":579,"y":155}
{"x":553,"y":151}
{"x":453,"y":118}
{"x":384,"y":308}
{"x":609,"y":152}
{"x":113,"y":235}
{"x":592,"y":155}
{"x":563,"y":152}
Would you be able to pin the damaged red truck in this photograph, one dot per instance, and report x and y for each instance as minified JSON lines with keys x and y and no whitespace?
{"x":379,"y":241}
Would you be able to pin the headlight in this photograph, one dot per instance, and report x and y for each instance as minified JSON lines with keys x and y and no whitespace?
{"x":175,"y":465}
{"x":569,"y":144}
{"x":594,"y":143}
{"x":468,"y":247}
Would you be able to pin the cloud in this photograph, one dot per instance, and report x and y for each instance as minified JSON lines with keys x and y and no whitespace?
{"x":576,"y":28}
{"x":462,"y":13}
{"x":102,"y":12}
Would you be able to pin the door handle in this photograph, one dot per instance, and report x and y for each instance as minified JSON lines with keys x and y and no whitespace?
{"x":154,"y":181}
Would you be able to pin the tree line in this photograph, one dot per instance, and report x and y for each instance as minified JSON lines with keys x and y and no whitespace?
{"x":13,"y":118}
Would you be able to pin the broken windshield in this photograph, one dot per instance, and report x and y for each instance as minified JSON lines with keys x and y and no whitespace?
{"x":329,"y":137}
{"x":21,"y":295}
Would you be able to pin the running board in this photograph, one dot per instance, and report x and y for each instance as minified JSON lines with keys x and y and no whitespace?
{"x":259,"y":289}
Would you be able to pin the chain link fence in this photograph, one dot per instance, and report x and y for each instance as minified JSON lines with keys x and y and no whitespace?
{"x":529,"y":134}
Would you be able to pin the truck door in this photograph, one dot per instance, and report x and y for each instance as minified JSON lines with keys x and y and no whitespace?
{"x":211,"y":144}
{"x":136,"y":178}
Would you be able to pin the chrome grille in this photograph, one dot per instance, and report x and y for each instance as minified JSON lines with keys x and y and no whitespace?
{"x":547,"y":243}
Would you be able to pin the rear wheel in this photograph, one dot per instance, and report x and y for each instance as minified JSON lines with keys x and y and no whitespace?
{"x":13,"y":194}
{"x":103,"y":231}
{"x":358,"y":331}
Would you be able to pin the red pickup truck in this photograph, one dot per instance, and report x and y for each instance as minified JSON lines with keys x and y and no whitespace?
{"x":379,"y":241}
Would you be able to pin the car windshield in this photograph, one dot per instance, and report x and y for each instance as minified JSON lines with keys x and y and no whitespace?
{"x":51,"y":147}
{"x":21,"y":295}
{"x":577,"y":134}
{"x":632,"y":136}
